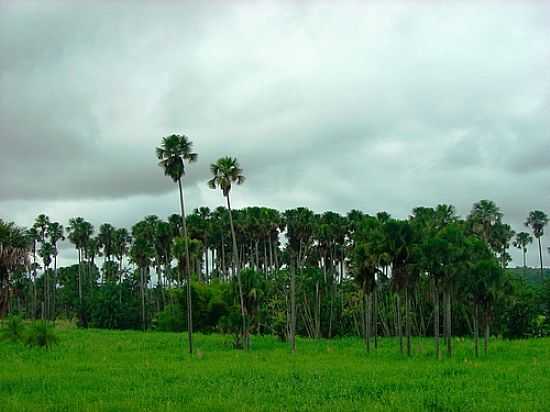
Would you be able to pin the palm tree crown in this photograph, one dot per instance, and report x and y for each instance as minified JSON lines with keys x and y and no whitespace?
{"x":226,"y":171}
{"x":173,"y":152}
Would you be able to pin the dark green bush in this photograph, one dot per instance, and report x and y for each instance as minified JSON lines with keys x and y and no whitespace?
{"x":41,"y":334}
{"x":171,"y":319}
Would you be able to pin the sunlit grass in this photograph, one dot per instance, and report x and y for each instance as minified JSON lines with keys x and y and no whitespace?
{"x":112,"y":370}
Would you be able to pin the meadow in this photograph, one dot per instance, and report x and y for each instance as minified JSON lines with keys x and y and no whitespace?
{"x":128,"y":370}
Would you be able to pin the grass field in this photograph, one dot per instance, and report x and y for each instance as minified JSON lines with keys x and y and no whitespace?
{"x":112,"y":371}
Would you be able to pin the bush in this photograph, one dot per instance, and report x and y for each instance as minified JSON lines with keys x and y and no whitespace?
{"x":171,"y":319}
{"x":13,"y":329}
{"x":41,"y":334}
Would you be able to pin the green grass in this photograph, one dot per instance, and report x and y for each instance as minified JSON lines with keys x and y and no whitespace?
{"x":113,"y":371}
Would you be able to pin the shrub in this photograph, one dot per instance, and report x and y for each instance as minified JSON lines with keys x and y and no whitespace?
{"x":171,"y":319}
{"x":13,"y":329}
{"x":41,"y":334}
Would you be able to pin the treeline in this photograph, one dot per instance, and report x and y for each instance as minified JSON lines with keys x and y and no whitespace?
{"x":354,"y":275}
{"x":261,"y":271}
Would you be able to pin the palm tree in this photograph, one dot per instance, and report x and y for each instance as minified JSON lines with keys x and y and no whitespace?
{"x":227,"y":171}
{"x":173,"y":152}
{"x":46,"y":252}
{"x":536,"y":220}
{"x":56,"y":233}
{"x":33,"y":237}
{"x":483,"y":218}
{"x":141,"y":253}
{"x":80,"y":232}
{"x":523,"y":239}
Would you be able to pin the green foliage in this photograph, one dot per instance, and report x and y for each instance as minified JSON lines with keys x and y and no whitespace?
{"x":41,"y":334}
{"x":171,"y":319}
{"x":13,"y":329}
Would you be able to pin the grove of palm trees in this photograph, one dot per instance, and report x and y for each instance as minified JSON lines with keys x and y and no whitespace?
{"x":259,"y":271}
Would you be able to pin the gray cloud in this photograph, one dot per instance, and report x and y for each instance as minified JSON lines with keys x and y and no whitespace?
{"x":363,"y":105}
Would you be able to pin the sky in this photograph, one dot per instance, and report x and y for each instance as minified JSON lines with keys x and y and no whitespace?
{"x":329,"y":105}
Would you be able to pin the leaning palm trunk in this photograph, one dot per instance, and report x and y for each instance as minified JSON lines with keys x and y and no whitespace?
{"x":236,"y":261}
{"x":188,"y":267}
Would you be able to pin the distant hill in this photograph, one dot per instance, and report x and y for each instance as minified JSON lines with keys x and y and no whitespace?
{"x":531,"y":275}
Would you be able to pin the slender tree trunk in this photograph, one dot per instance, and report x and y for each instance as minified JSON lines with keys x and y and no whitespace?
{"x":476,"y":330}
{"x":46,"y":301}
{"x":80,"y":313}
{"x":368,"y":331}
{"x":54,"y":285}
{"x":188,"y":267}
{"x":293,"y":306}
{"x":141,"y":281}
{"x":448,"y":327}
{"x":207,"y":269}
{"x":524,"y":262}
{"x":540,"y":256}
{"x":34,"y":293}
{"x":375,"y":316}
{"x":398,"y":319}
{"x":236,"y":258}
{"x":486,"y":333}
{"x":408,"y":320}
{"x":436,"y":318}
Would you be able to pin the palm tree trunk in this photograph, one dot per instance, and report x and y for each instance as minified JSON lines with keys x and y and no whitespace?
{"x":54,"y":285}
{"x":436,"y":318}
{"x":293,"y":306}
{"x":236,"y":258}
{"x":524,"y":262}
{"x":408,"y":320}
{"x":189,"y":303}
{"x":80,"y":284}
{"x":476,"y":330}
{"x":398,"y":319}
{"x":486,"y":333}
{"x":448,"y":333}
{"x":142,"y":298}
{"x":375,"y":317}
{"x":540,"y":256}
{"x":368,"y":330}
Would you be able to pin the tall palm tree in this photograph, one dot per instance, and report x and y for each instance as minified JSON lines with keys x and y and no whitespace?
{"x":46,"y":252}
{"x":142,"y":252}
{"x":56,"y":233}
{"x":523,"y":239}
{"x":227,"y":171}
{"x":537,"y":220}
{"x":173,"y":152}
{"x":33,"y":237}
{"x":80,"y":232}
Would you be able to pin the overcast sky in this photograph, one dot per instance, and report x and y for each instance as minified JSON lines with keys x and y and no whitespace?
{"x":329,"y":105}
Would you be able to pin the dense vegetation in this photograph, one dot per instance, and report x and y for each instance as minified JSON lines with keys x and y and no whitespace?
{"x":260,"y":271}
{"x":113,"y":370}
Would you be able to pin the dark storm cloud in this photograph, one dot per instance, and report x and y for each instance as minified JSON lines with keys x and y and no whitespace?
{"x":370,"y":105}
